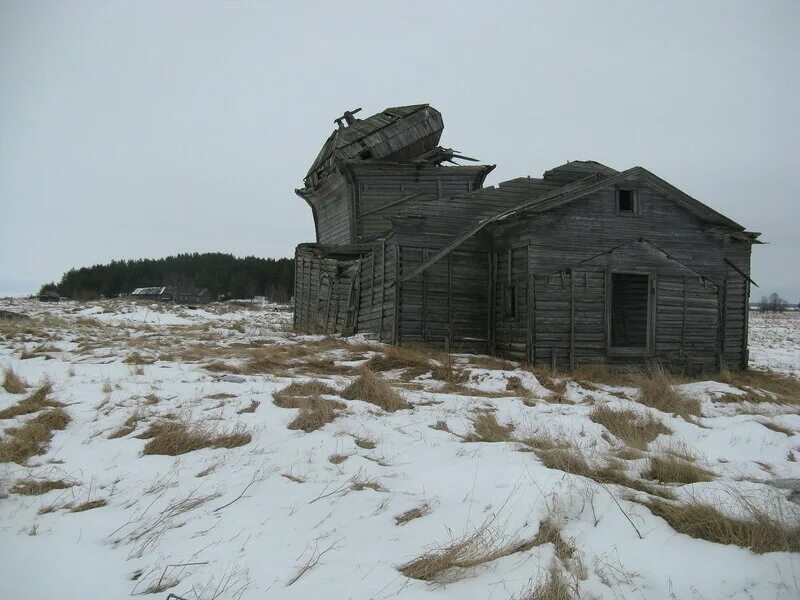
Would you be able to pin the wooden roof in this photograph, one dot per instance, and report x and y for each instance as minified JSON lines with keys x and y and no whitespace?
{"x":548,"y":200}
{"x":397,"y":133}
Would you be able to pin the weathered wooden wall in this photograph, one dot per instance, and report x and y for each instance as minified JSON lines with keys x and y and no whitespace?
{"x":331,"y":203}
{"x":376,"y":316}
{"x":510,"y":332}
{"x":383,"y":190}
{"x":446,"y":306}
{"x":562,"y":238}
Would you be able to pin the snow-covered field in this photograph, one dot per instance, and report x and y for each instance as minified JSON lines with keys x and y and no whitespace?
{"x":290,"y":514}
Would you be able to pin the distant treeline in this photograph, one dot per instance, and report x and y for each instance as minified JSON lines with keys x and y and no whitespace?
{"x":224,"y":275}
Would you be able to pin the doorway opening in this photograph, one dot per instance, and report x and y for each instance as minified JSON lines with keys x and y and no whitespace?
{"x":630,"y":310}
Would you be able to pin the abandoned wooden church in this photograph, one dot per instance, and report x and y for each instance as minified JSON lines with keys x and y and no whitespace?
{"x":583,"y":265}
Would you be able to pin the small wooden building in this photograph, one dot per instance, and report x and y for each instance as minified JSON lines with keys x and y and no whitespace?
{"x":584,"y":265}
{"x":186,"y":295}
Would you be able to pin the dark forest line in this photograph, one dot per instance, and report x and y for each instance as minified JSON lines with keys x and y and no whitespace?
{"x":224,"y":275}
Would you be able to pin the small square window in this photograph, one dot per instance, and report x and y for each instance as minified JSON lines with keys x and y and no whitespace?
{"x":509,"y":302}
{"x":626,"y":201}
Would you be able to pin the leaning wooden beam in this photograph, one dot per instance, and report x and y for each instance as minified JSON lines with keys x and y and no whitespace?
{"x":740,"y":272}
{"x":391,"y":204}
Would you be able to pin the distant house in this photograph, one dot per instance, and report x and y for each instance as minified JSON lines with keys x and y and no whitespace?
{"x":172,"y":294}
{"x":192,"y":296}
{"x":164,"y":294}
{"x":583,"y":265}
{"x":49,"y":296}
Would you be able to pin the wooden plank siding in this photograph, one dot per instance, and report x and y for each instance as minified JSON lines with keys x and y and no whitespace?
{"x":686,"y":337}
{"x":447,"y":305}
{"x":331,"y":203}
{"x":345,"y":293}
{"x":383,"y":190}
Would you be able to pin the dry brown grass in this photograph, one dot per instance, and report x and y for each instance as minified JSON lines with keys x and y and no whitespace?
{"x":542,"y":442}
{"x":783,"y":389}
{"x":13,"y":383}
{"x":414,"y":513}
{"x":359,"y":485}
{"x":250,"y":408}
{"x":372,"y":388}
{"x":292,"y":395}
{"x":481,"y":547}
{"x":514,"y":385}
{"x":37,"y":487}
{"x":137,"y":359}
{"x":42,"y":350}
{"x":492,"y":363}
{"x":127,"y":427}
{"x":172,"y":438}
{"x":555,"y":587}
{"x":91,"y":504}
{"x":656,"y":391}
{"x":760,"y":532}
{"x":221,"y":396}
{"x":366,"y":443}
{"x":441,"y":426}
{"x":413,"y":361}
{"x":315,"y":412}
{"x":670,"y":469}
{"x":38,"y":400}
{"x":572,"y":461}
{"x":487,"y":429}
{"x":550,"y":533}
{"x":337,"y":459}
{"x":32,"y":438}
{"x":636,"y":430}
{"x":595,"y":373}
{"x":772,"y":425}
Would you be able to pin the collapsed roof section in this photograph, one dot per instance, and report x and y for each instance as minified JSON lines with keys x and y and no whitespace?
{"x":403,"y":134}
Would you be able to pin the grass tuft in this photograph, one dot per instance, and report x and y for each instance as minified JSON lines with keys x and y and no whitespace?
{"x":671,"y":469}
{"x":315,"y":412}
{"x":780,"y":388}
{"x":553,"y":588}
{"x":414,"y":513}
{"x":88,"y":505}
{"x":372,"y":388}
{"x":127,"y":427}
{"x":294,"y":395}
{"x":636,"y":430}
{"x":656,"y":391}
{"x":487,"y":429}
{"x":13,"y":383}
{"x":365,"y":442}
{"x":32,"y":438}
{"x":470,"y":551}
{"x":773,"y":426}
{"x":172,"y":438}
{"x":250,"y":408}
{"x":38,"y":400}
{"x":550,"y":533}
{"x":571,"y":460}
{"x":760,"y":532}
{"x":37,"y":487}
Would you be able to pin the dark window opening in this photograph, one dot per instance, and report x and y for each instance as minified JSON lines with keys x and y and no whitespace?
{"x":365,"y":154}
{"x":629,"y":310}
{"x":509,"y":302}
{"x":626,"y":201}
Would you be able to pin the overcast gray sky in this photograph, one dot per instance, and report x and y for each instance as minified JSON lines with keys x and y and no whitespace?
{"x":141,"y":129}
